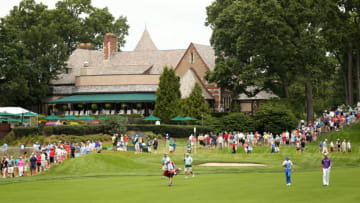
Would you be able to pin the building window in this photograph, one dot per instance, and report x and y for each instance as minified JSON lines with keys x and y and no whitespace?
{"x":67,"y":70}
{"x":192,"y":58}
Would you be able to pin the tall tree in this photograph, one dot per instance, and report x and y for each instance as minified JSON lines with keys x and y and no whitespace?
{"x":168,"y":95}
{"x":258,"y":41}
{"x":35,"y":43}
{"x":195,"y":104}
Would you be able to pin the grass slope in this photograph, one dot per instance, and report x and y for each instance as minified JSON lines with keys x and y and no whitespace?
{"x":129,"y":177}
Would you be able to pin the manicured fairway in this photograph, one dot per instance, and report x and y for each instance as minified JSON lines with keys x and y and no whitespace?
{"x":240,"y":187}
{"x":128,"y":177}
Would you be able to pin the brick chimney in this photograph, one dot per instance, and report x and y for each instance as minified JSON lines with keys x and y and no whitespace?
{"x":110,"y":44}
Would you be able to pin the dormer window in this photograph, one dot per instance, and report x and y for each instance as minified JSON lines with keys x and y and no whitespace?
{"x":192,"y":58}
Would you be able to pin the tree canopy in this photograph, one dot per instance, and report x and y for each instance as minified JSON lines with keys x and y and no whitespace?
{"x":280,"y":45}
{"x":35,"y":43}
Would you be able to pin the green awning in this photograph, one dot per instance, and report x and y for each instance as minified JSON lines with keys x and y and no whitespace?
{"x":52,"y":117}
{"x":69,"y":118}
{"x":86,"y":117}
{"x":178,"y":118}
{"x":103,"y":98}
{"x":151,"y":118}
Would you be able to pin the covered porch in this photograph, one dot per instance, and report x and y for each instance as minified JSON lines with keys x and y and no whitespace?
{"x":103,"y":104}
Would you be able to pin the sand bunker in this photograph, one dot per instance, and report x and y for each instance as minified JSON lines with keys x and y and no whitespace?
{"x":231,"y":164}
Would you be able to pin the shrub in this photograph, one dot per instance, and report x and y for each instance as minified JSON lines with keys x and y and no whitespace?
{"x":237,"y":122}
{"x":25,"y":131}
{"x":48,"y":130}
{"x":9,"y":138}
{"x":114,"y":124}
{"x":219,"y":114}
{"x":94,"y":106}
{"x":274,"y":118}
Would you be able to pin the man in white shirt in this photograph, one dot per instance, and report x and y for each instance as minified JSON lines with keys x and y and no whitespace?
{"x":220,"y":141}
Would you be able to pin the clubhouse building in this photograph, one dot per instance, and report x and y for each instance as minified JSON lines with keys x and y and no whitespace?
{"x":113,"y":82}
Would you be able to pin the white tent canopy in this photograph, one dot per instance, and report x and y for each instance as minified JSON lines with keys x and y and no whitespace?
{"x":14,"y":110}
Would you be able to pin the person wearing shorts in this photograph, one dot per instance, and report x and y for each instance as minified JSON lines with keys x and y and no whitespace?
{"x":38,"y":163}
{"x":188,"y":165}
{"x":11,"y":164}
{"x":33,"y":162}
{"x":52,"y":157}
{"x":4,"y":165}
{"x":170,"y":172}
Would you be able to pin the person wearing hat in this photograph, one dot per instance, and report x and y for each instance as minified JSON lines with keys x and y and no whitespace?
{"x":326,"y":166}
{"x":164,"y":161}
{"x":188,"y":165}
{"x":288,"y":165}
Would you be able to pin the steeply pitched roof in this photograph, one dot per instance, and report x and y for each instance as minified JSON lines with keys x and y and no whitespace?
{"x":207,"y":53}
{"x":127,"y":62}
{"x":187,"y":83}
{"x":145,"y":43}
{"x":262,"y":95}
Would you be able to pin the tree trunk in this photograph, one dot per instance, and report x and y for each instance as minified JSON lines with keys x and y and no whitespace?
{"x":358,"y":74}
{"x":285,"y":85}
{"x":346,"y":88}
{"x":309,"y":100}
{"x":349,"y":75}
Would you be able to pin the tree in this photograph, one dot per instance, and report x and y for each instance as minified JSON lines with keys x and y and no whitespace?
{"x":195,"y":104}
{"x":35,"y":43}
{"x":275,"y":118}
{"x":259,"y":42}
{"x":168,"y":95}
{"x":237,"y":122}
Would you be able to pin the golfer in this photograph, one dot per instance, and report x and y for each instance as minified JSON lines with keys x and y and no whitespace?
{"x":326,"y":166}
{"x":288,"y":165}
{"x":188,"y":165}
{"x":170,"y":172}
{"x":164,"y":161}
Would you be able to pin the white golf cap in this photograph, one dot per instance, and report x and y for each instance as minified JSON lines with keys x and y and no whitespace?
{"x":325,"y":154}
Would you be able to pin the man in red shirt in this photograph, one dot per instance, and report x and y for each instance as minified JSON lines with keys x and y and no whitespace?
{"x":226,"y":135}
{"x":52,"y":155}
{"x":67,"y":149}
{"x":126,"y":139}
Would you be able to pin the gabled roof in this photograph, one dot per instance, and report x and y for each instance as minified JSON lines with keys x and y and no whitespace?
{"x":207,"y":53}
{"x":262,"y":95}
{"x":188,"y":82}
{"x":145,"y":43}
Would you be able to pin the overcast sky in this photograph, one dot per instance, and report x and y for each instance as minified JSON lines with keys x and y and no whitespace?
{"x":171,"y":24}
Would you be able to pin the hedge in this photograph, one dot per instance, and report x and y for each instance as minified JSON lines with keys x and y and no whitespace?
{"x":172,"y":130}
{"x":25,"y":131}
{"x":79,"y":130}
{"x":73,"y":130}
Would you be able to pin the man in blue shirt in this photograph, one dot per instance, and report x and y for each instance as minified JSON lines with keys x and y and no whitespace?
{"x":288,"y":165}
